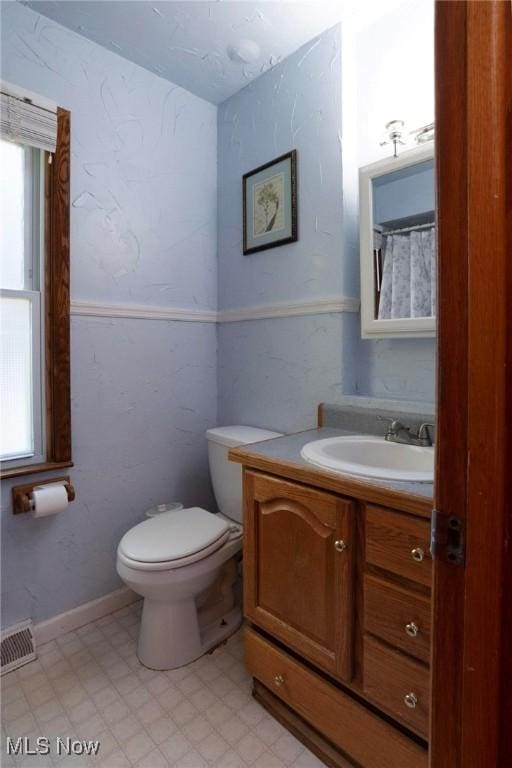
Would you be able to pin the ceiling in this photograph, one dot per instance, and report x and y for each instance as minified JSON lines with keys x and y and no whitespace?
{"x":187,"y":41}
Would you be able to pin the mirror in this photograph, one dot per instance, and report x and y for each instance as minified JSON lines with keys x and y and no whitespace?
{"x":398,"y":263}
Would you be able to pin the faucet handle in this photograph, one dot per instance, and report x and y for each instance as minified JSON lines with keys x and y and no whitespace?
{"x":395,"y":426}
{"x":389,"y":421}
{"x":424,"y":433}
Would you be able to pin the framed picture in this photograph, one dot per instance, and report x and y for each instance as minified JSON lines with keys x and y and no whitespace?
{"x":270,"y":204}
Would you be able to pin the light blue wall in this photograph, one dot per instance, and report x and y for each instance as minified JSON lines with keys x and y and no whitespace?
{"x":394,"y":369}
{"x":274,"y":372}
{"x":297,"y":105}
{"x":388,"y":73}
{"x":407,"y":193}
{"x":143,"y":231}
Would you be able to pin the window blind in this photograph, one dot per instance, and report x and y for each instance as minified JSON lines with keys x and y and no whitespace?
{"x":26,"y":123}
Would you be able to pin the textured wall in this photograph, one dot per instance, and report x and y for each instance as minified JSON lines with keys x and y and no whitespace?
{"x":274,"y":372}
{"x":191,"y":40}
{"x":388,"y":73}
{"x":143,"y":228}
{"x":143,"y":185}
{"x":144,"y":231}
{"x":297,"y":105}
{"x":394,"y":68}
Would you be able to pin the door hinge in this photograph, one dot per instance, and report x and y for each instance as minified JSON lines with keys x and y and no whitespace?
{"x":447,"y":538}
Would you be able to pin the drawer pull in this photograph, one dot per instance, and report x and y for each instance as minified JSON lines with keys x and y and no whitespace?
{"x":340,"y":545}
{"x":418,"y":554}
{"x":278,"y":680}
{"x":412,"y":629}
{"x":410,"y":700}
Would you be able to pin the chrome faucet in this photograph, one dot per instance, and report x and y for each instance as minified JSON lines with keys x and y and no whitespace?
{"x":399,"y":433}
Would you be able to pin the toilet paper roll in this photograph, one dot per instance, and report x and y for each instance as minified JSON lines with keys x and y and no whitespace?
{"x":49,"y":499}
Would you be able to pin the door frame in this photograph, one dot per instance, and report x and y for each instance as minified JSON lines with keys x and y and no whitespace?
{"x":472,"y":603}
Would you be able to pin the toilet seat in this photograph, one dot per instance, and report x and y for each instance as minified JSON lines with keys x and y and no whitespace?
{"x":173,"y":539}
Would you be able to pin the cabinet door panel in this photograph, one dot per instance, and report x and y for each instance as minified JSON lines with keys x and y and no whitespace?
{"x":298,"y":584}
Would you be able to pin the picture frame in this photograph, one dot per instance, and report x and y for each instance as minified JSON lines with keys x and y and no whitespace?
{"x":270,"y":204}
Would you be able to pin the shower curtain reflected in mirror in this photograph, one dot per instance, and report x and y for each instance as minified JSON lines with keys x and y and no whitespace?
{"x":409,"y":275}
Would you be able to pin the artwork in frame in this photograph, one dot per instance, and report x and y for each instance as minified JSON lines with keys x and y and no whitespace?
{"x":270,"y":204}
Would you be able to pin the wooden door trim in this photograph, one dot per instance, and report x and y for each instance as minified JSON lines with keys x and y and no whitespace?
{"x":471,"y":673}
{"x":451,"y":427}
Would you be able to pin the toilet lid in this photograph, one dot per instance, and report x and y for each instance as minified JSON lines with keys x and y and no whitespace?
{"x":173,"y":535}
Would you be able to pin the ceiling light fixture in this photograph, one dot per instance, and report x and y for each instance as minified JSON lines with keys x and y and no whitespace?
{"x":244,"y":51}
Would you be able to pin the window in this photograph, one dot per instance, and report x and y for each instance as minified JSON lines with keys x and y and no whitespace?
{"x":34,"y":286}
{"x":21,"y":306}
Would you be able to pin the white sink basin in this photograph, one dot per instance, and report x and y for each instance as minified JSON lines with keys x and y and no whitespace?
{"x":374,"y":457}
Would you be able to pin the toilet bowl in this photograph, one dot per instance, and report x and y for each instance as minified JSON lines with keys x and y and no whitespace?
{"x":184,"y":564}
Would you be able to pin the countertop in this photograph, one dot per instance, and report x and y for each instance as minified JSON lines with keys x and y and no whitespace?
{"x":281,"y":456}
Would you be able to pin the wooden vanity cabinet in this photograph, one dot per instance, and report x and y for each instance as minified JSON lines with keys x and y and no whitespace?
{"x":337,"y":596}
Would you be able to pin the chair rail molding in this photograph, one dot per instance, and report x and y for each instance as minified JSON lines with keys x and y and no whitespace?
{"x":142,"y":312}
{"x":320,"y":306}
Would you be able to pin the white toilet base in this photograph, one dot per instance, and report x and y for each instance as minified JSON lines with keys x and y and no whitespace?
{"x":219,"y":631}
{"x":169,"y":633}
{"x":187,"y":610}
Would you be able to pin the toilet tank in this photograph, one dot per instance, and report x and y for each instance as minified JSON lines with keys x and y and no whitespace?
{"x":227,"y":476}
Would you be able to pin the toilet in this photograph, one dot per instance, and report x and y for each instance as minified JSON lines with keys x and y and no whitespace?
{"x":184,"y":564}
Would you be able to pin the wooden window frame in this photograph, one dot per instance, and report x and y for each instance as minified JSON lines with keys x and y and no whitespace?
{"x":57,"y":309}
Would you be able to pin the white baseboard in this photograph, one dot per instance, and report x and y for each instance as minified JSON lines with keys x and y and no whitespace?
{"x":83,"y":614}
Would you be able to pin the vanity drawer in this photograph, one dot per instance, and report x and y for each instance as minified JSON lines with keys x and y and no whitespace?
{"x":398,"y":684}
{"x":398,"y":616}
{"x":399,"y":543}
{"x":349,"y":725}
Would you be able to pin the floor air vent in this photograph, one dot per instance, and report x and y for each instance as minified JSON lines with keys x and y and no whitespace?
{"x":17,"y":647}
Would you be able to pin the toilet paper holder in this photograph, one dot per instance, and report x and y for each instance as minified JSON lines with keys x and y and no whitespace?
{"x":22,"y":494}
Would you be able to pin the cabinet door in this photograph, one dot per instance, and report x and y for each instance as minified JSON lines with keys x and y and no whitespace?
{"x":298,"y":568}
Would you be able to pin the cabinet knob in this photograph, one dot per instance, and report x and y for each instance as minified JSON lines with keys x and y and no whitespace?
{"x":417,"y":554}
{"x":410,"y":700}
{"x":278,"y":680}
{"x":340,"y":545}
{"x":412,"y":629}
